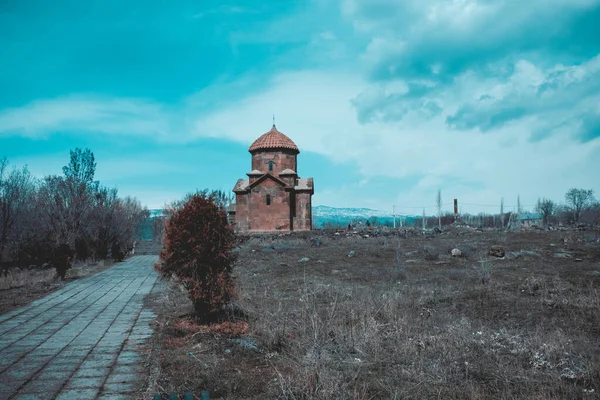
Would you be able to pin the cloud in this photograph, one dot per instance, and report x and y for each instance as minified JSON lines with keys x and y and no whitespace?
{"x":556,"y":97}
{"x":225,"y":10}
{"x":88,"y":114}
{"x":416,"y":39}
{"x":481,"y":63}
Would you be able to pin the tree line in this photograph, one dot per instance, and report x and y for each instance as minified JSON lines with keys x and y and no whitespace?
{"x":39,"y":216}
{"x":580,"y":206}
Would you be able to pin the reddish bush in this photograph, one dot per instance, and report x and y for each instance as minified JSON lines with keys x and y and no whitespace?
{"x":197,"y":248}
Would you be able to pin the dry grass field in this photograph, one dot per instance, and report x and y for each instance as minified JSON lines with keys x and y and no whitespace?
{"x":21,"y":286}
{"x":325,"y":316}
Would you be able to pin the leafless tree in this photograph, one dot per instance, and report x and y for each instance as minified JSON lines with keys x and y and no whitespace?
{"x":502,"y":211}
{"x":591,"y":216}
{"x":16,"y":191}
{"x":546,"y":208}
{"x":579,"y":200}
{"x":438,"y":201}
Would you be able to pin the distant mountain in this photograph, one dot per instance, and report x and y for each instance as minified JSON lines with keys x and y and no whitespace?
{"x":331,"y":217}
{"x":325,"y":217}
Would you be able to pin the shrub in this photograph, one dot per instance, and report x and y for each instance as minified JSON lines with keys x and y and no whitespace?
{"x":81,"y":249}
{"x":36,"y":251}
{"x":61,"y":260}
{"x":197,"y":249}
{"x":431,"y":253}
{"x":116,"y":252}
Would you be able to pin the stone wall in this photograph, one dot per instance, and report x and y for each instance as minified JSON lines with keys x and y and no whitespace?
{"x":273,"y":217}
{"x":303,"y":219}
{"x":281,"y":159}
{"x":241,"y":212}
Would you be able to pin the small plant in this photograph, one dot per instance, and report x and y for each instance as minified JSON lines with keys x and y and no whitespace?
{"x":484,"y":270}
{"x":399,"y":266}
{"x":431,"y":253}
{"x":198,"y":246}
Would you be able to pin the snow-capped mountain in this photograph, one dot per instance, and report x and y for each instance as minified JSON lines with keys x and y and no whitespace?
{"x":325,"y":211}
{"x":329,"y":217}
{"x":324,"y":216}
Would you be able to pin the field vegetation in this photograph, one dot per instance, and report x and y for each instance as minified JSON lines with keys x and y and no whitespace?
{"x":380,"y":314}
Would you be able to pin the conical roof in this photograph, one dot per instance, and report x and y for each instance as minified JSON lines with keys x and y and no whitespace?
{"x":273,"y":140}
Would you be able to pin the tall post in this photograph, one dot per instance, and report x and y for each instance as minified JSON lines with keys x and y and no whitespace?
{"x":394,"y":214}
{"x":455,"y":208}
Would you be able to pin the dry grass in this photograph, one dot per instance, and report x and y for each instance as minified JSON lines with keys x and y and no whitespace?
{"x":19,"y":278}
{"x":21,"y":286}
{"x":377,"y":326}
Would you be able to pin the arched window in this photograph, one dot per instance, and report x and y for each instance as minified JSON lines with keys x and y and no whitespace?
{"x":268,"y":199}
{"x":271,"y":166}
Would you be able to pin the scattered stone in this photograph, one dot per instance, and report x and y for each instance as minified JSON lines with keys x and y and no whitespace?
{"x":579,"y":259}
{"x":246,"y":343}
{"x":497,"y":251}
{"x":456,"y":253}
{"x":366,"y":236}
{"x":352,"y":253}
{"x":516,"y":254}
{"x":562,"y":255}
{"x":304,"y":259}
{"x":315,"y":242}
{"x":283,"y":264}
{"x":441,"y":262}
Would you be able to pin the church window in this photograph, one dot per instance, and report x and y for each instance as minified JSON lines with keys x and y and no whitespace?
{"x":271,"y":166}
{"x":268,"y":199}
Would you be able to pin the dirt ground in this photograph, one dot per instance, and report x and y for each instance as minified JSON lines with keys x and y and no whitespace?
{"x":19,"y":288}
{"x":326,"y":316}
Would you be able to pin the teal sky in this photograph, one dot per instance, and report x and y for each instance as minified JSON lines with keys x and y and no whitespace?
{"x":388,"y":100}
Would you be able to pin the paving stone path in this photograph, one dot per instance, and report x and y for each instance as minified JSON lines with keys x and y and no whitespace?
{"x":80,"y":341}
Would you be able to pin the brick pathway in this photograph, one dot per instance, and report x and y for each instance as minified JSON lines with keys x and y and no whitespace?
{"x":79,"y":342}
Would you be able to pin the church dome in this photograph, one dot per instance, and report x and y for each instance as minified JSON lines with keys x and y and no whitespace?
{"x":273,"y":140}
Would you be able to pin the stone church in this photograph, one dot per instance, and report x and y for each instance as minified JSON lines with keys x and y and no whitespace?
{"x":273,"y":198}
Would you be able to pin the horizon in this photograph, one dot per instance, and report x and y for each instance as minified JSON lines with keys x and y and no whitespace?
{"x":388,"y":101}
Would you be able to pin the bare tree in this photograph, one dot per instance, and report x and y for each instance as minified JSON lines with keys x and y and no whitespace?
{"x":546,"y":208}
{"x":70,"y":210}
{"x":502,"y":211}
{"x":16,"y":190}
{"x":579,"y":200}
{"x":438,"y":201}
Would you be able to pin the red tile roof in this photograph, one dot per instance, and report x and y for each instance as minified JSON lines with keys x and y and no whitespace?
{"x":273,"y":140}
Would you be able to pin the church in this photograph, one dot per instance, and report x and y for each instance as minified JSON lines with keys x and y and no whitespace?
{"x":273,"y":198}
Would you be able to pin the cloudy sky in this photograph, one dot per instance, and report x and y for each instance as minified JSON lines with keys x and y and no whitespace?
{"x":388,"y":100}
